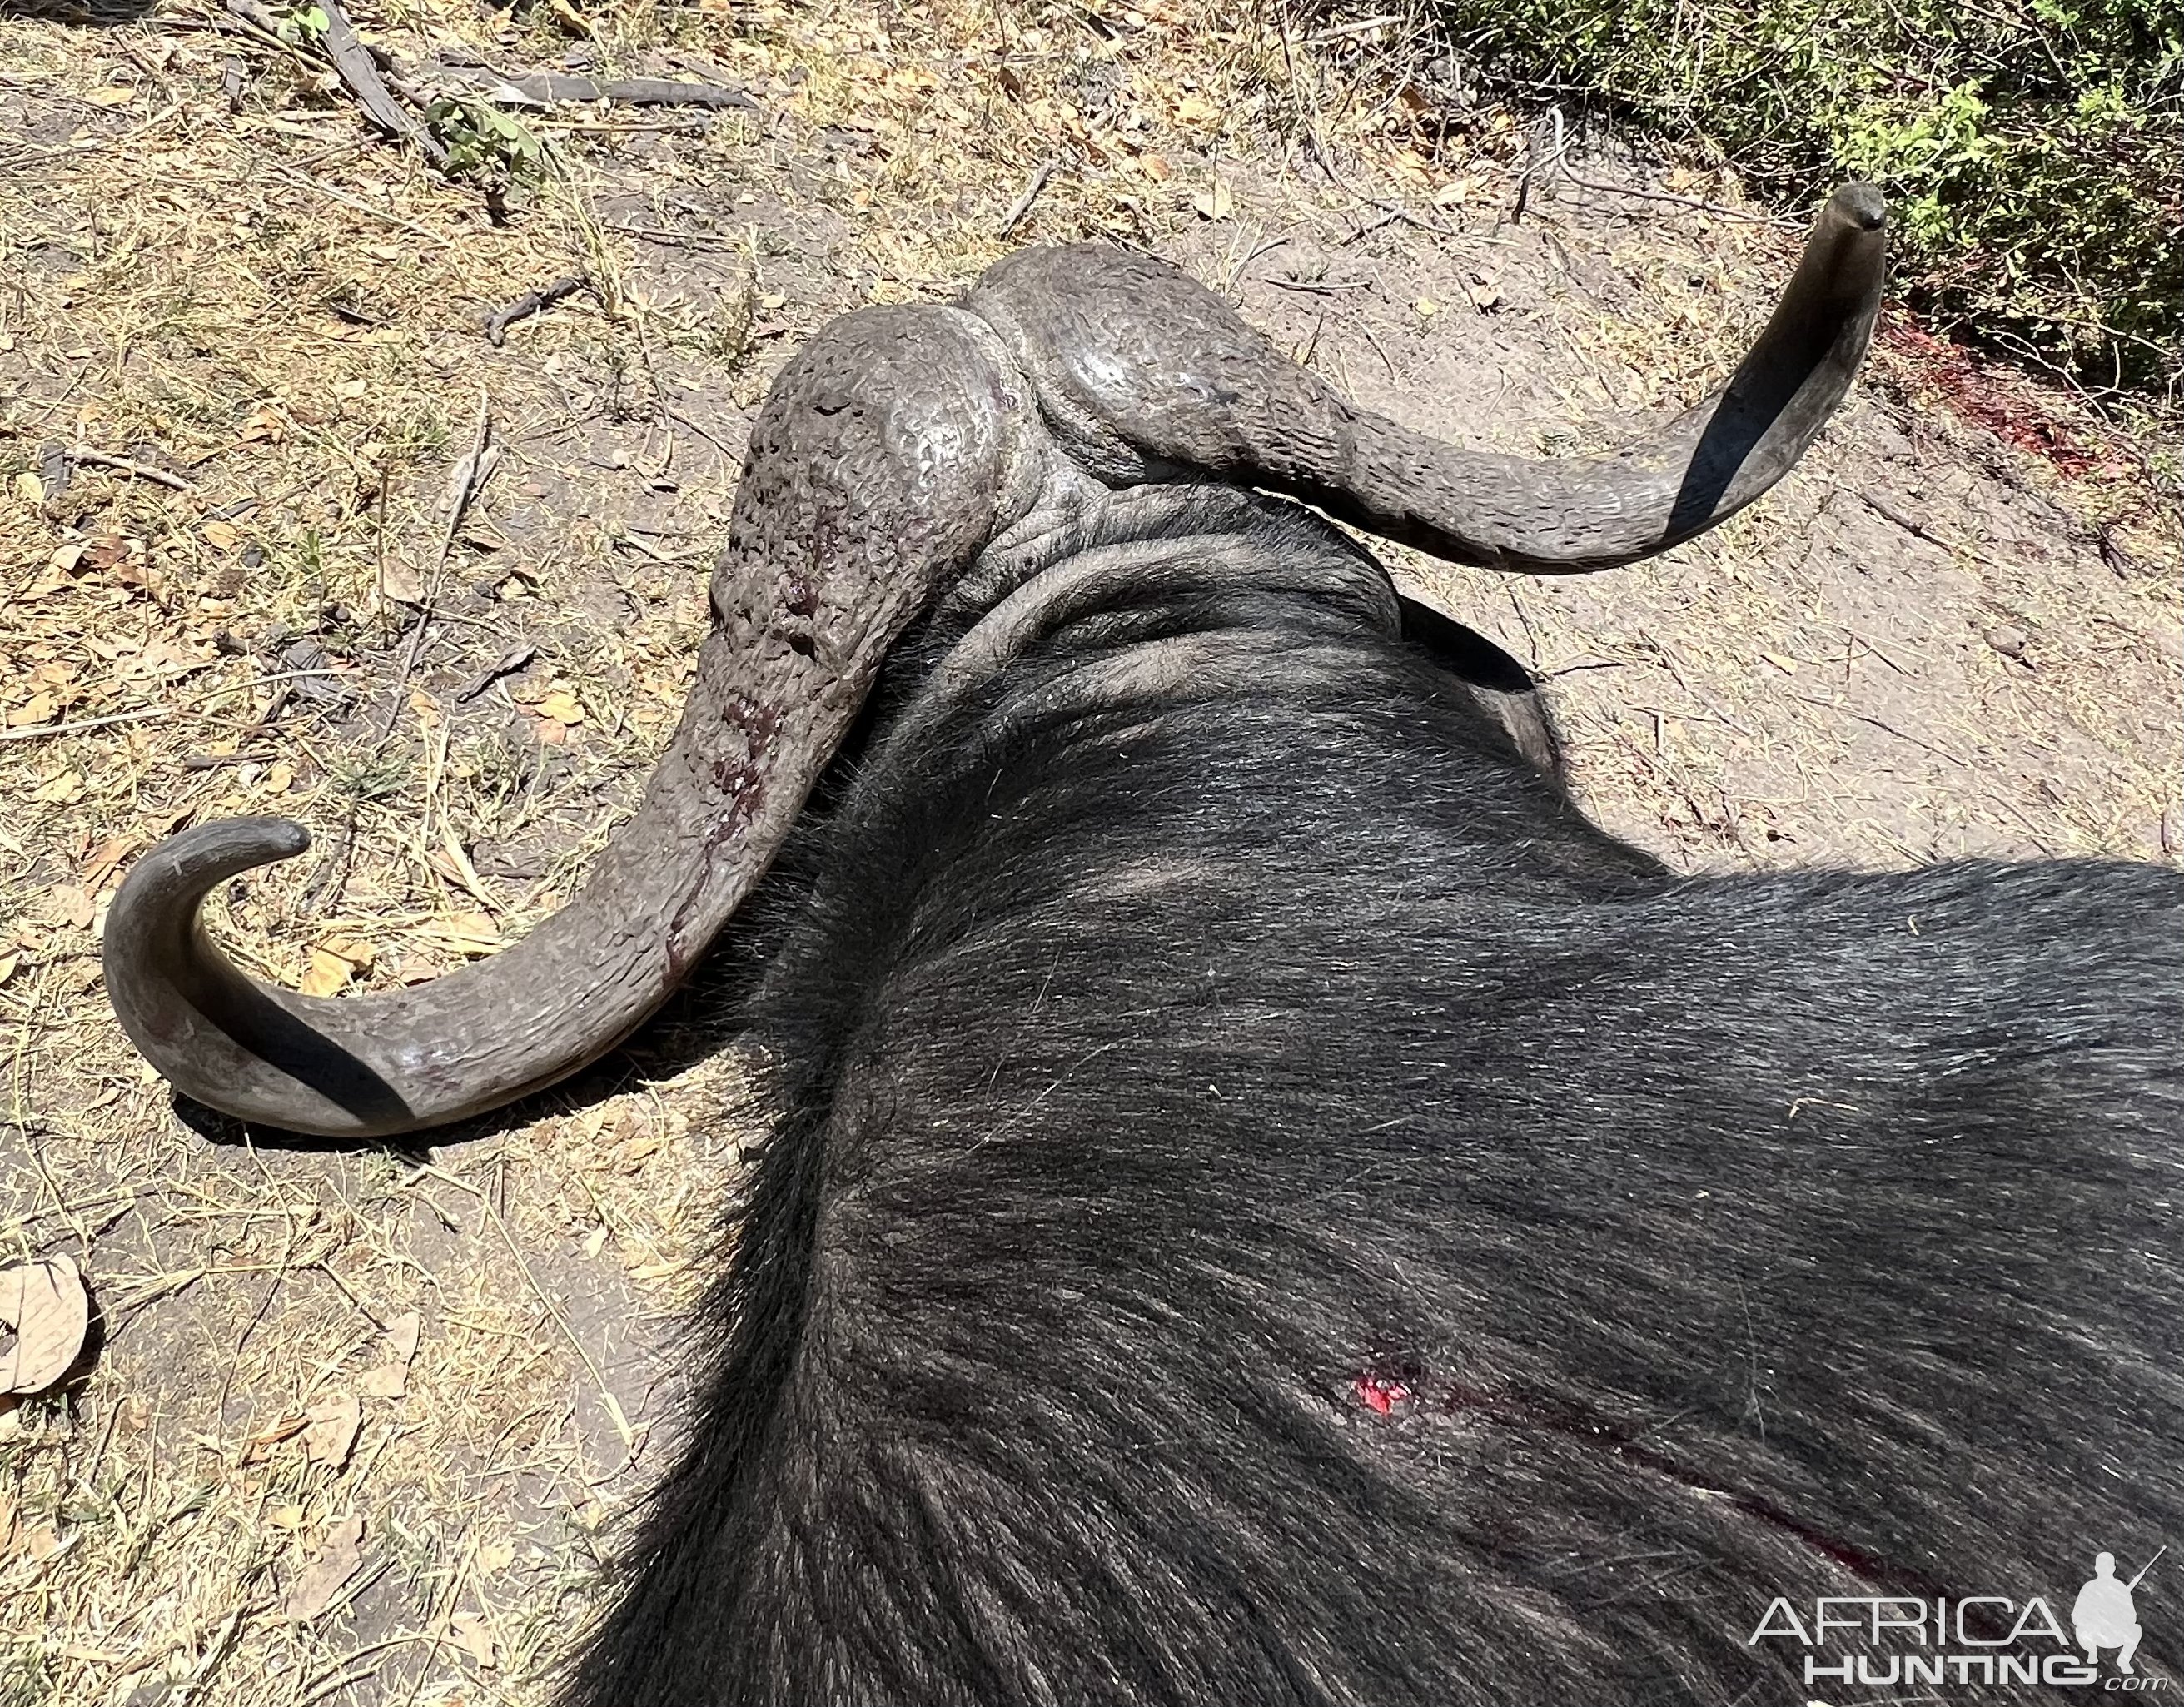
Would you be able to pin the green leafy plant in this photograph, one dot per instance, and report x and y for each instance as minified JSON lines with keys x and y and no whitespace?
{"x":301,"y":23}
{"x":2033,"y":150}
{"x":486,"y":143}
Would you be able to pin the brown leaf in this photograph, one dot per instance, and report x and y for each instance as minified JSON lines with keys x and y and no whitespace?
{"x":387,"y":1381}
{"x":562,"y":707}
{"x":468,"y":1632}
{"x":329,"y":1571}
{"x":329,"y":1431}
{"x":402,"y":1334}
{"x":45,"y":1308}
{"x":109,"y":854}
{"x":355,"y":950}
{"x":38,"y":709}
{"x":391,"y":1380}
{"x":327,"y":973}
{"x":469,"y":932}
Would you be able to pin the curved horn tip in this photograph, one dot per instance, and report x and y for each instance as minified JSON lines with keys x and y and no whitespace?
{"x":203,"y":855}
{"x":1859,"y":205}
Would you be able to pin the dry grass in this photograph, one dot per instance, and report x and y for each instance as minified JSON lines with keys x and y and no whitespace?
{"x":273,"y":317}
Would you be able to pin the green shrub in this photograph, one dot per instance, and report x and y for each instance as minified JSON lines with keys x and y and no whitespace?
{"x":2033,"y":150}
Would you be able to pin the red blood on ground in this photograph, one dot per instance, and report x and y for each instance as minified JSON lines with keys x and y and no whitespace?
{"x":1998,"y":399}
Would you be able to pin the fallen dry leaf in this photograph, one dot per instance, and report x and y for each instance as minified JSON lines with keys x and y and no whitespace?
{"x":329,"y":1571}
{"x":468,"y":1630}
{"x":391,"y":1380}
{"x":38,"y":709}
{"x":353,"y":949}
{"x":329,"y":1431}
{"x":327,"y":973}
{"x":1214,"y":203}
{"x":43,"y":1306}
{"x":387,"y":1381}
{"x":562,"y":707}
{"x":71,"y":905}
{"x":402,"y":1334}
{"x":105,"y":858}
{"x":224,"y":534}
{"x":401,"y":582}
{"x":468,"y":933}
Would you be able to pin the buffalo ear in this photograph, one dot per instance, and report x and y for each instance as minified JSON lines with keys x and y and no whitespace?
{"x":1501,"y":684}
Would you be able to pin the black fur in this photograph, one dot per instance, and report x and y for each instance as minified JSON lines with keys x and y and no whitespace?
{"x":1270,"y":1205}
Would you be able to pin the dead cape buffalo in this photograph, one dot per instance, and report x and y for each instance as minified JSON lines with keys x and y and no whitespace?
{"x":1267,"y":1202}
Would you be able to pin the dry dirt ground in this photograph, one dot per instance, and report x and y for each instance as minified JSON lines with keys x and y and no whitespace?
{"x":358,"y":1425}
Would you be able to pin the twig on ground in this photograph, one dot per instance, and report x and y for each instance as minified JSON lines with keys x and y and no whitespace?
{"x":531,"y":303}
{"x":545,"y":88}
{"x":1889,"y":512}
{"x":40,"y":731}
{"x":1022,"y":206}
{"x":465,"y":481}
{"x":516,"y":659}
{"x":121,"y":465}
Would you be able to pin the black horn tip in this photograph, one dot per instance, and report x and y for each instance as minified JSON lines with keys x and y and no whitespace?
{"x":1860,"y":205}
{"x":188,"y":864}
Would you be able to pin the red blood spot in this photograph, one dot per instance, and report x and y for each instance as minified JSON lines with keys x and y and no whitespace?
{"x":1380,"y":1394}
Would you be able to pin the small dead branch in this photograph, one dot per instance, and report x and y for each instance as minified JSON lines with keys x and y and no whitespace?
{"x":547,"y":88}
{"x":40,"y":732}
{"x":531,"y":303}
{"x":512,"y":662}
{"x":1889,"y":512}
{"x":1022,"y":206}
{"x":88,"y":458}
{"x":465,"y":482}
